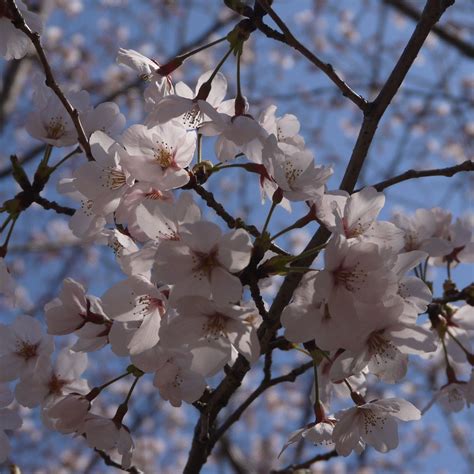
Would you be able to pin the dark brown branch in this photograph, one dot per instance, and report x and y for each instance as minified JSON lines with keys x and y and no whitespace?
{"x":231,"y":222}
{"x":292,"y":468}
{"x":447,"y":36}
{"x":450,"y":171}
{"x":54,"y":206}
{"x":265,"y":385}
{"x":19,"y":22}
{"x":288,"y":38}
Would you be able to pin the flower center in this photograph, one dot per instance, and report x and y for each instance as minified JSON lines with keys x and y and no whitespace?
{"x":205,"y":262}
{"x":26,"y":350}
{"x":114,"y":178}
{"x":351,"y":278}
{"x":291,"y":172}
{"x":56,"y":128}
{"x":215,"y":326}
{"x":56,"y":385}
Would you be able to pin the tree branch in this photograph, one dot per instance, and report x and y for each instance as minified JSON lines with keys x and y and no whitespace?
{"x":292,"y":468}
{"x":288,"y":38}
{"x":19,"y":23}
{"x":467,"y":165}
{"x":447,"y":36}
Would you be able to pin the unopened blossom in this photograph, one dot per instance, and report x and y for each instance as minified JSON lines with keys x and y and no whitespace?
{"x":203,"y":262}
{"x":162,"y":220}
{"x":22,"y":346}
{"x":50,"y":122}
{"x":145,"y":67}
{"x":233,"y":131}
{"x":294,"y":170}
{"x":75,"y":312}
{"x":103,"y":181}
{"x":13,"y":42}
{"x":357,"y":219}
{"x":50,"y":383}
{"x":373,"y":423}
{"x":354,"y":271}
{"x":184,"y":106}
{"x":106,"y":434}
{"x":9,"y":420}
{"x":69,"y":413}
{"x":159,"y":155}
{"x":137,"y":299}
{"x":221,"y":325}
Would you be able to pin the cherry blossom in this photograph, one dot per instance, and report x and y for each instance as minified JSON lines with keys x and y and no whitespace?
{"x":202,"y":263}
{"x":9,"y":420}
{"x":68,"y":414}
{"x":372,"y":423}
{"x":103,"y":181}
{"x":23,"y":345}
{"x":159,"y":155}
{"x":13,"y":42}
{"x":50,"y":383}
{"x":184,"y":103}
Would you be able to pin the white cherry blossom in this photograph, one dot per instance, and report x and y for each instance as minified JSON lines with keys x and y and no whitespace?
{"x":50,"y":383}
{"x":9,"y":420}
{"x":23,"y":345}
{"x":372,"y":423}
{"x":159,"y":155}
{"x":204,"y":261}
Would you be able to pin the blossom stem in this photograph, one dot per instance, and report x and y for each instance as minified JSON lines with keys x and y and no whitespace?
{"x":96,"y":390}
{"x":199,"y":148}
{"x":69,"y":155}
{"x":458,"y":342}
{"x":4,"y":247}
{"x":187,"y":55}
{"x":267,"y":220}
{"x":425,"y":269}
{"x":4,"y":225}
{"x":316,"y":356}
{"x":221,"y":62}
{"x":448,"y":270}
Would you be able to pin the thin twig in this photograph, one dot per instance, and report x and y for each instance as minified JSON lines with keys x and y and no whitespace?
{"x":467,"y":165}
{"x":292,"y":468}
{"x":288,"y":38}
{"x":19,"y":23}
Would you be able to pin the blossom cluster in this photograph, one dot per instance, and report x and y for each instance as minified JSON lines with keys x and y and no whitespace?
{"x":181,"y":311}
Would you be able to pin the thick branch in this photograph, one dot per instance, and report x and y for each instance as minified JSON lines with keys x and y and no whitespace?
{"x":450,"y":171}
{"x":19,"y":22}
{"x":288,"y":38}
{"x":447,"y":36}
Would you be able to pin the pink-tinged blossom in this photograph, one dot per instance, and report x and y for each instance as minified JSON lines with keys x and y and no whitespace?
{"x":106,"y":434}
{"x":139,"y":193}
{"x":106,"y":117}
{"x":159,"y":155}
{"x":184,"y":106}
{"x":454,"y":396}
{"x":136,"y":300}
{"x":357,"y":219}
{"x":373,"y":423}
{"x":354,"y":271}
{"x":23,"y":345}
{"x":233,"y":131}
{"x":103,"y":181}
{"x":423,"y":231}
{"x":224,"y":326}
{"x":69,"y":413}
{"x":49,"y":383}
{"x":204,"y":261}
{"x":162,"y":220}
{"x":461,"y":245}
{"x":50,"y":122}
{"x":9,"y":420}
{"x":145,"y":67}
{"x":383,"y":343}
{"x":14,"y":43}
{"x":320,"y":434}
{"x":294,"y":170}
{"x":307,"y":318}
{"x":75,"y":312}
